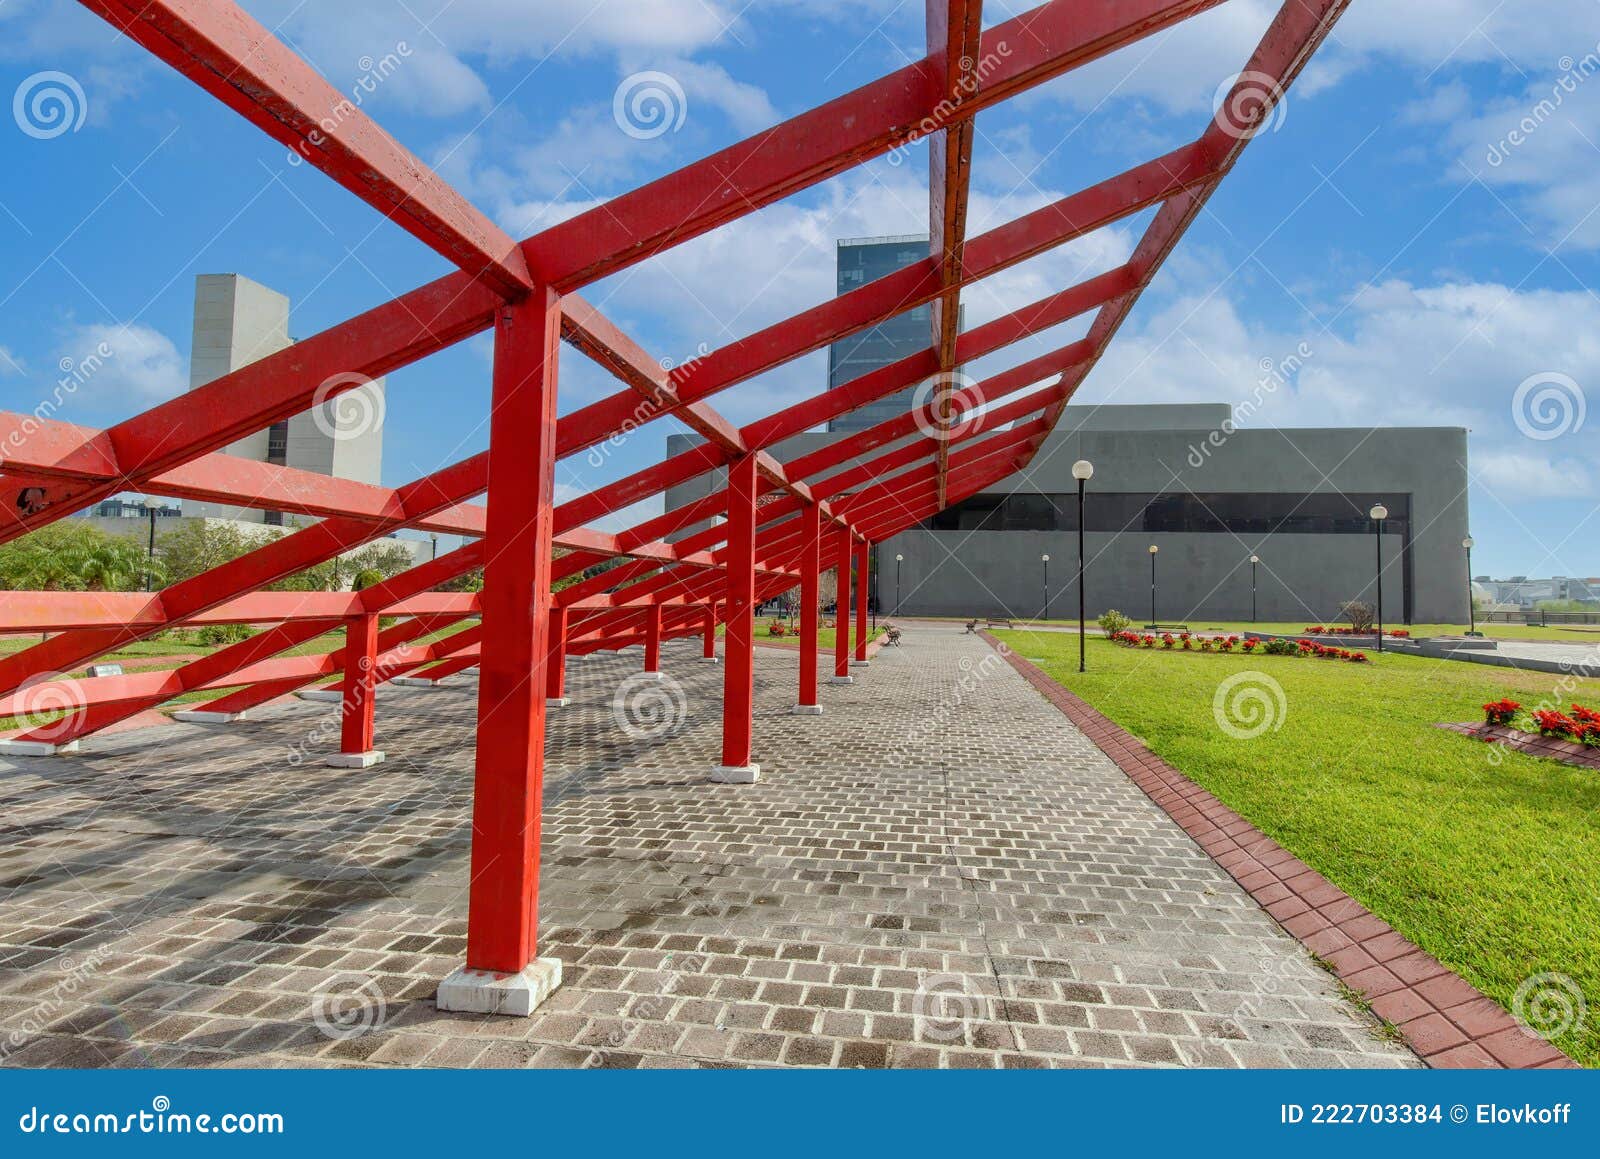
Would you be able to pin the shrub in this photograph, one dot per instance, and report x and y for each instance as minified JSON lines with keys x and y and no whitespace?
{"x":775,"y":628}
{"x":1500,"y":711}
{"x":1280,"y":648}
{"x":218,"y":635}
{"x":1359,"y":615}
{"x":1114,"y":623}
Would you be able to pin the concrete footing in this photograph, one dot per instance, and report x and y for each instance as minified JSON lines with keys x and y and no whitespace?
{"x":557,"y":701}
{"x":321,"y":694}
{"x":36,"y":748}
{"x":201,"y":716}
{"x":481,"y":992}
{"x":355,"y":760}
{"x":652,"y":676}
{"x":841,"y":680}
{"x":710,"y":659}
{"x":806,"y":710}
{"x":860,"y":663}
{"x":736,"y":774}
{"x":414,"y":682}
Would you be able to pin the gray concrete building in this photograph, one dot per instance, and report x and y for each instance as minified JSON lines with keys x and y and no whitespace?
{"x":1208,"y":498}
{"x":238,"y":321}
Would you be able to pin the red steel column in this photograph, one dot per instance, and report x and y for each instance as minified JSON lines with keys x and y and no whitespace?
{"x":810,"y":596}
{"x":841,"y":619}
{"x":711,"y":632}
{"x":652,"y":640}
{"x":555,"y":672}
{"x":357,"y":707}
{"x":863,"y":596}
{"x":503,"y":907}
{"x":738,"y":641}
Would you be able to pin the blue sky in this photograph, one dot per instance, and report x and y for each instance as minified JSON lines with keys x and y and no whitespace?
{"x":1422,"y":215}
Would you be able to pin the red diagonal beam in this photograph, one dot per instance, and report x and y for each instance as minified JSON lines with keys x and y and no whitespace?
{"x":222,"y":49}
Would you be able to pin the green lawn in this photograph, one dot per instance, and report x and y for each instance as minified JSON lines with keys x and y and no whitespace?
{"x":1578,"y":633}
{"x":1493,"y":867}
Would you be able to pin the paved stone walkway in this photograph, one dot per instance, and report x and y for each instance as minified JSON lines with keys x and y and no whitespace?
{"x":941,"y":870}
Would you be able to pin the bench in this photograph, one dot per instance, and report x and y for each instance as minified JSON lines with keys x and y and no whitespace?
{"x":1166,"y":627}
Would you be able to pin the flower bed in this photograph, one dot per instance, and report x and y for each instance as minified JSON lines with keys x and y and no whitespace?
{"x":1189,"y":642}
{"x":1319,"y":630}
{"x":1580,"y":726}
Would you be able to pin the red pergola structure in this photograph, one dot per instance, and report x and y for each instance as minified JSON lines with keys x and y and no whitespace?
{"x":781,"y":523}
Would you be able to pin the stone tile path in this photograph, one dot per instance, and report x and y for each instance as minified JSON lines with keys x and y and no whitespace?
{"x":939,"y":871}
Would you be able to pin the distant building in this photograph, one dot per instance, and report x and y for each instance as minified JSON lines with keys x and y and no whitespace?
{"x":1522,"y":592}
{"x":859,"y":261}
{"x":238,"y":321}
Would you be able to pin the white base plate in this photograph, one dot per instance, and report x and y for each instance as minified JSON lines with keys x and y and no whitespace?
{"x":414,"y":682}
{"x":480,"y":992}
{"x":841,"y":680}
{"x":860,"y":663}
{"x":322,"y":694}
{"x":36,"y":748}
{"x":806,"y":710}
{"x":557,"y":701}
{"x":201,"y":716}
{"x":736,"y":774}
{"x":355,"y":760}
{"x":710,"y":659}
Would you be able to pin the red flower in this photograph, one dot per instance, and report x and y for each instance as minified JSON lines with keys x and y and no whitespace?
{"x":1500,"y":711}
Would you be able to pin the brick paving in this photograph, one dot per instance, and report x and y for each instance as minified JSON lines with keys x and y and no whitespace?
{"x":940,"y":871}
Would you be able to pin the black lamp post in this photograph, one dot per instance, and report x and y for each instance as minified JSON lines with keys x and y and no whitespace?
{"x":1472,"y":610}
{"x":898,"y":560}
{"x":1154,"y":550}
{"x":1045,"y":559}
{"x":1254,"y":559}
{"x":1082,"y":471}
{"x":1379,"y":513}
{"x":435,"y":537}
{"x":150,"y":554}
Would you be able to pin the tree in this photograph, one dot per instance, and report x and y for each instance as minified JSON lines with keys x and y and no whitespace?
{"x":198,"y":545}
{"x":118,"y":563}
{"x":73,"y":555}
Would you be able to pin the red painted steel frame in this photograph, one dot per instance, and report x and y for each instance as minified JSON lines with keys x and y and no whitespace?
{"x":684,"y":572}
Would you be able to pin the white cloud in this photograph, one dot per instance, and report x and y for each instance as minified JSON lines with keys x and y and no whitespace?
{"x":123,"y":364}
{"x":1451,"y":354}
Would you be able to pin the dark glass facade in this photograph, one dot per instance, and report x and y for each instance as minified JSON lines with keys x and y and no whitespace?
{"x":1235,"y":512}
{"x":860,"y":262}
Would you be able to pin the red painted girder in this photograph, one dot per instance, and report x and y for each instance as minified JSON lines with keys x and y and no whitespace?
{"x":222,"y":49}
{"x":816,"y":145}
{"x":990,"y":253}
{"x":64,"y":611}
{"x":954,"y":27}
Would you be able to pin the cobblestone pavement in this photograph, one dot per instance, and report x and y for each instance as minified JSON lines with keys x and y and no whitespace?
{"x":941,"y":870}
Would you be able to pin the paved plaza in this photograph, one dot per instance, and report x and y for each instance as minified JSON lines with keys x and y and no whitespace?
{"x":941,"y":870}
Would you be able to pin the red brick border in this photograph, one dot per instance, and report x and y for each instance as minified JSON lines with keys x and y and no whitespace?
{"x":1446,"y":1020}
{"x":1568,"y":752}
